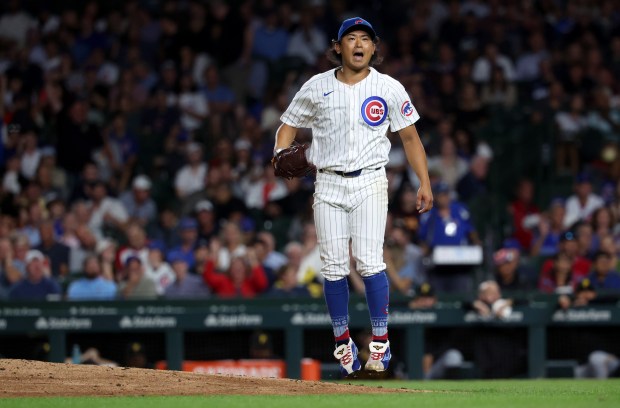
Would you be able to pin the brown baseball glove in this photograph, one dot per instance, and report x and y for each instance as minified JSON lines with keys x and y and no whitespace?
{"x":292,"y":162}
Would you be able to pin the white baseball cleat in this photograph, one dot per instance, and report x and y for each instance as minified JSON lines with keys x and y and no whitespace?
{"x":380,"y":356}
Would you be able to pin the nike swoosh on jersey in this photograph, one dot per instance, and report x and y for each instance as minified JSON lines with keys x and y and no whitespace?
{"x":327,"y":93}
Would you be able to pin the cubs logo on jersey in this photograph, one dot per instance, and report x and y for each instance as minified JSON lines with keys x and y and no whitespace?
{"x":374,"y":110}
{"x":406,"y":109}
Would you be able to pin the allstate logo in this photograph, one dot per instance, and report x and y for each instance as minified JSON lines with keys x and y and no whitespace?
{"x":374,"y":110}
{"x":406,"y":109}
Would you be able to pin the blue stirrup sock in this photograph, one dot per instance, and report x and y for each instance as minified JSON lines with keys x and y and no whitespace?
{"x":337,"y":299}
{"x":378,"y":300}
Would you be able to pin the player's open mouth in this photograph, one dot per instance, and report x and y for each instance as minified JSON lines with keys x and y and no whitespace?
{"x":358,"y":56}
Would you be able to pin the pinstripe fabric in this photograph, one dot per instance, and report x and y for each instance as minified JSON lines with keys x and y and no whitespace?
{"x":341,"y":139}
{"x":351,"y":209}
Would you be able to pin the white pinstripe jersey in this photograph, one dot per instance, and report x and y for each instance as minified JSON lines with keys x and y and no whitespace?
{"x":349,"y":122}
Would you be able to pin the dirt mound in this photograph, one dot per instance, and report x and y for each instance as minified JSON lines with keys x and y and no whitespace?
{"x":24,"y":378}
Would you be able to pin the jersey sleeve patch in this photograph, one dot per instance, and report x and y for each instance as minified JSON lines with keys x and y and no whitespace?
{"x":406,"y":108}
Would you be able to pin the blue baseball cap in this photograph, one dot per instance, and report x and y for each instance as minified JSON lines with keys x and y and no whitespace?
{"x":188,"y":223}
{"x":356,"y":23}
{"x":176,"y":256}
{"x":441,"y":187}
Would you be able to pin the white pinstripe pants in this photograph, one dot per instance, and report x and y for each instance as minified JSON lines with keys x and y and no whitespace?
{"x":352,"y":209}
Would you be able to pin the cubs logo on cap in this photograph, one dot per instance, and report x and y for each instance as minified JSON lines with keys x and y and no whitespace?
{"x":356,"y":23}
{"x":374,"y":110}
{"x":406,"y":109}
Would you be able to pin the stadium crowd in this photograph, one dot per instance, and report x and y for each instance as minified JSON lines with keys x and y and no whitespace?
{"x":137,"y":137}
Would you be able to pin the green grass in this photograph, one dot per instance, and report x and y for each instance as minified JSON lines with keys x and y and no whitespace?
{"x":460,"y":394}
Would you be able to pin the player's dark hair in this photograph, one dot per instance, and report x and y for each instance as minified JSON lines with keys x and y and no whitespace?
{"x":336,"y":59}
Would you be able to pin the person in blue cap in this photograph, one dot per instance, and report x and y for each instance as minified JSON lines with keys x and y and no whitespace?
{"x":349,"y":109}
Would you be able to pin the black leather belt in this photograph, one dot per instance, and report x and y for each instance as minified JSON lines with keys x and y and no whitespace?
{"x":355,"y":173}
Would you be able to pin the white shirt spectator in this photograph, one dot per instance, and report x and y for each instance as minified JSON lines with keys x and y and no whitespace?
{"x":30,"y":163}
{"x":110,"y":206}
{"x":255,"y":197}
{"x":310,"y":267}
{"x":575,"y":212}
{"x":307,"y":44}
{"x":190,"y":180}
{"x":482,"y":69}
{"x":162,"y":275}
{"x":195,"y":102}
{"x":15,"y":26}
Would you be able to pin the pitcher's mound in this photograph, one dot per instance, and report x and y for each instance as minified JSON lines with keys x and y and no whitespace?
{"x":24,"y":378}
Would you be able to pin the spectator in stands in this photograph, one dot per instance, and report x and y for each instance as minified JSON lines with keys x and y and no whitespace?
{"x":266,"y":189}
{"x":581,"y":205}
{"x":36,"y":285}
{"x":105,"y":210}
{"x":56,"y":252}
{"x":604,"y":117}
{"x":498,"y":93}
{"x":404,"y":211}
{"x":520,"y":208}
{"x":93,"y":286}
{"x":548,"y":230}
{"x":310,"y":266}
{"x":138,"y":203}
{"x":188,"y":230}
{"x":185,"y":285}
{"x":21,"y":247}
{"x":244,"y":276}
{"x":232,"y":245}
{"x":482,"y":70}
{"x":561,"y":280}
{"x":286,"y":284}
{"x":10,"y":273}
{"x":190,"y":178}
{"x":528,"y":63}
{"x":273,"y":259}
{"x":136,"y":246}
{"x":447,"y":224}
{"x":403,"y":260}
{"x":193,"y":105}
{"x":30,"y":154}
{"x":603,"y":275}
{"x":136,"y":284}
{"x":448,"y":165}
{"x":585,"y":240}
{"x":509,"y":274}
{"x":307,"y":41}
{"x":29,"y":218}
{"x":603,"y":223}
{"x":208,"y":227}
{"x":580,"y":266}
{"x":157,"y":268}
{"x":474,"y":183}
{"x":121,"y":149}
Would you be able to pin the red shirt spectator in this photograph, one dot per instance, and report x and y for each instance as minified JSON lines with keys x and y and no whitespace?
{"x":580,"y":266}
{"x":520,"y":208}
{"x":245,"y":277}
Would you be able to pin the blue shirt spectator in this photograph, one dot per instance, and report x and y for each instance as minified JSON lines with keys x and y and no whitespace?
{"x":189,"y":238}
{"x":92,"y":286}
{"x":603,"y":275}
{"x":185,"y":284}
{"x":35,"y":286}
{"x":447,"y":223}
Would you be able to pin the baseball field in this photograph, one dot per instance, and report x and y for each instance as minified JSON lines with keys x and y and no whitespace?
{"x":35,"y":384}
